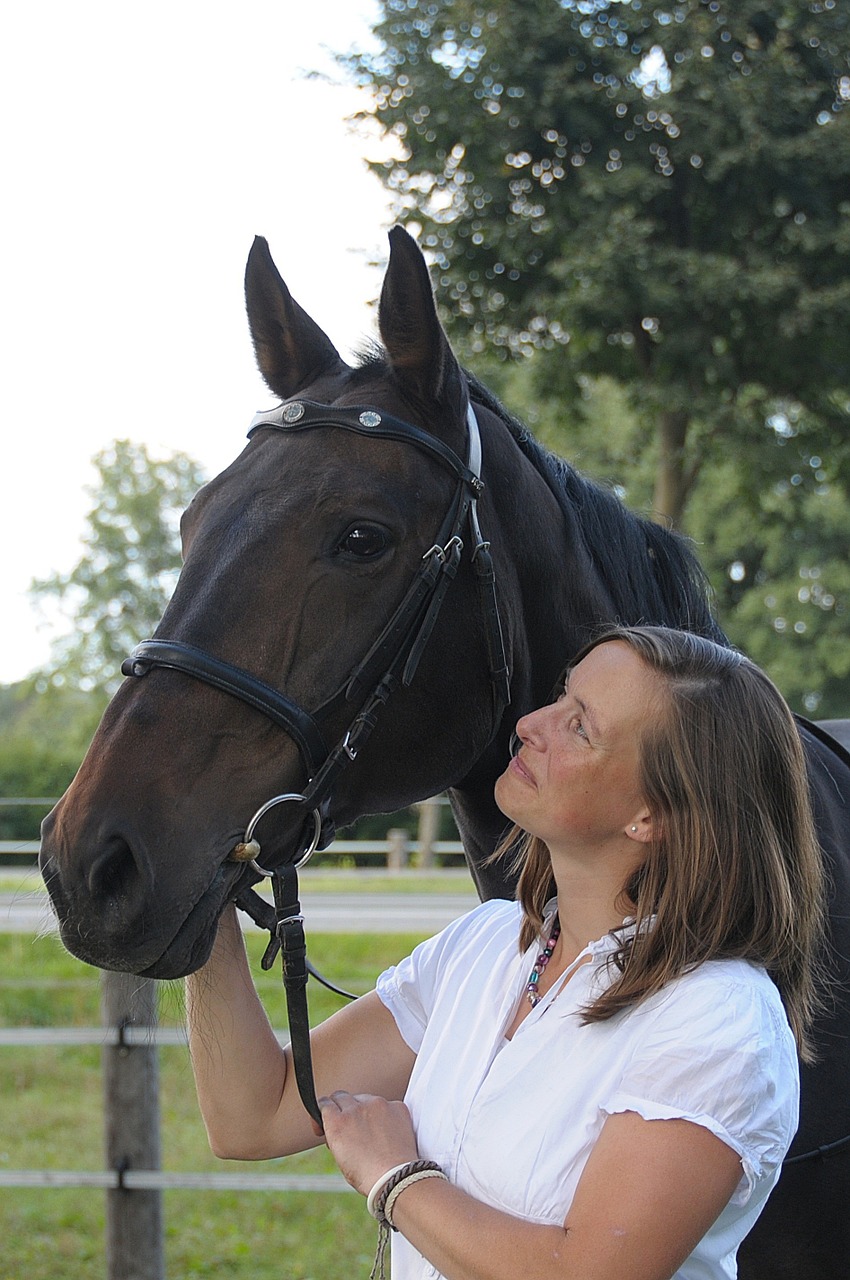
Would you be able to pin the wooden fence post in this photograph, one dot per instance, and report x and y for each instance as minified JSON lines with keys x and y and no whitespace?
{"x":134,"y":1230}
{"x":429,"y":822}
{"x":398,"y":851}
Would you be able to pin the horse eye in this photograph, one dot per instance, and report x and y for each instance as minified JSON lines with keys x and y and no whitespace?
{"x":364,"y":541}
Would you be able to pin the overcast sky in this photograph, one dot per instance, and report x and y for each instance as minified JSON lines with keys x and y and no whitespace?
{"x":144,"y":147}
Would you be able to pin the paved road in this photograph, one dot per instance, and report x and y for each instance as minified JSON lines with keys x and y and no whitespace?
{"x":323,"y":912}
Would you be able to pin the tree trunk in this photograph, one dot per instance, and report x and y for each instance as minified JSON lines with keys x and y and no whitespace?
{"x":672,"y":479}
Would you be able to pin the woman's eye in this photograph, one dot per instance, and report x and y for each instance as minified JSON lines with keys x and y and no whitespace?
{"x":364,"y":542}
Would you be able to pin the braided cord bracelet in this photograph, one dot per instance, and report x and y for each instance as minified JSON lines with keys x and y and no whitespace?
{"x":393,"y":1195}
{"x":383,"y":1196}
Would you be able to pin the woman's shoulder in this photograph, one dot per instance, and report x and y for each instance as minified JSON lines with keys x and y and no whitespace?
{"x":734,"y":976}
{"x":482,"y":941}
{"x":728,"y":1000}
{"x":714,"y":1047}
{"x":491,"y":924}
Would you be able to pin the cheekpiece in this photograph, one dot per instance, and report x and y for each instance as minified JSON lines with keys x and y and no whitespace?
{"x":370,"y":419}
{"x":293,"y":412}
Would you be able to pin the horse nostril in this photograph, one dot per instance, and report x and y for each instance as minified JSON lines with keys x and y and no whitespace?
{"x":114,"y":874}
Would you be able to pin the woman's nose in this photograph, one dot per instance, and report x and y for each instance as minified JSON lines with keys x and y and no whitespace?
{"x":530,"y":729}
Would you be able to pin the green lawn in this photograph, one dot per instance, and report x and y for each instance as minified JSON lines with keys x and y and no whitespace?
{"x":50,"y":1103}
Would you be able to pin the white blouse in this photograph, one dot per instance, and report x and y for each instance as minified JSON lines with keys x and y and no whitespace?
{"x":513,"y":1122}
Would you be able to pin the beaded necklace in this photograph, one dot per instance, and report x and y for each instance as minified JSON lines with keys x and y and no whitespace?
{"x":532,"y":989}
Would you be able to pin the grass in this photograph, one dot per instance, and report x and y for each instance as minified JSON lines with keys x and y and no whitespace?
{"x":50,"y":1098}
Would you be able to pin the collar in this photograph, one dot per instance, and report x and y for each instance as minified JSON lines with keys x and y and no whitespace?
{"x":600,"y":946}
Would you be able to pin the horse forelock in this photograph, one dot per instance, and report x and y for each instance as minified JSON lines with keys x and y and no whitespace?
{"x":372,"y":362}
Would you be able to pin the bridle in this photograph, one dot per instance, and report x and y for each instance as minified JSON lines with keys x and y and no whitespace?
{"x":390,"y":663}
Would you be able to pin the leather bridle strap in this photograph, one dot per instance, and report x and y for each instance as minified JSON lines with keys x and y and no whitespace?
{"x":285,"y":713}
{"x":304,"y":415}
{"x":287,"y":936}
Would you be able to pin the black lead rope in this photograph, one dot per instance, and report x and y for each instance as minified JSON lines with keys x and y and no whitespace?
{"x":287,"y":937}
{"x":821,"y":1153}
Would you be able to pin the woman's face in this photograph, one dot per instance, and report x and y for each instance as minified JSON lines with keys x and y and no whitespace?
{"x":575,"y":778}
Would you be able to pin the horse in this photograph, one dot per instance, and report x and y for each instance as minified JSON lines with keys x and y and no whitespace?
{"x":302,"y":617}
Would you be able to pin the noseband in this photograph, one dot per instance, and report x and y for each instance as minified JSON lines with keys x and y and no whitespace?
{"x":391,"y":662}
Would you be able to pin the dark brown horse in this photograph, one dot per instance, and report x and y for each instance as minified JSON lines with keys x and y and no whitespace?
{"x":303,"y":565}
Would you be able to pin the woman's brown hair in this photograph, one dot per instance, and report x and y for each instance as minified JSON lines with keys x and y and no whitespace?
{"x":733,"y":868}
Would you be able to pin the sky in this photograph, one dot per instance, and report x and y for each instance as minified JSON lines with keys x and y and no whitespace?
{"x":144,"y":147}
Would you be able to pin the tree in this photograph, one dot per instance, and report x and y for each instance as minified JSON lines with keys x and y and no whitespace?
{"x":656,"y":193}
{"x":118,"y":590}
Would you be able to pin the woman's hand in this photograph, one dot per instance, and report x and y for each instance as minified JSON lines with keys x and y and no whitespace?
{"x":367,"y":1136}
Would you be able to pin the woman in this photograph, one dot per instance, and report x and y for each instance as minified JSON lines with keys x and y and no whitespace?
{"x":621,"y":1103}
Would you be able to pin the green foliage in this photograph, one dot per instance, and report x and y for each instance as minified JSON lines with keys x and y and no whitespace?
{"x":44,"y":732}
{"x":29,"y":770}
{"x":118,"y":590}
{"x":55,"y":715}
{"x":774,"y":537}
{"x":656,"y":193}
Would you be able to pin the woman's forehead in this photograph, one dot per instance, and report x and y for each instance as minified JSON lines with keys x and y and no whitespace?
{"x":615,"y":685}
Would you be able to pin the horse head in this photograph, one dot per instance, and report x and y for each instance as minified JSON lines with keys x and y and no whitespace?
{"x":297,"y":558}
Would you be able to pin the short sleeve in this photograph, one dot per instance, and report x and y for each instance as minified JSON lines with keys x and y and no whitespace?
{"x":410,"y":989}
{"x":404,"y":989}
{"x":718,"y":1052}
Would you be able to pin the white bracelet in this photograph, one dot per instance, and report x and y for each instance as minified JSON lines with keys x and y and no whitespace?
{"x":380,"y":1184}
{"x":404,"y":1184}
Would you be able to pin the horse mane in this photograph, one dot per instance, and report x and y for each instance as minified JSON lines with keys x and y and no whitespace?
{"x":650,"y":572}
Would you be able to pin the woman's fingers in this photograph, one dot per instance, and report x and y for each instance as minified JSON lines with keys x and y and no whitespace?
{"x":367,"y":1135}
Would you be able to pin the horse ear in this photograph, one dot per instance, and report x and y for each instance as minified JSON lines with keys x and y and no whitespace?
{"x":411,"y":332}
{"x":291,"y":350}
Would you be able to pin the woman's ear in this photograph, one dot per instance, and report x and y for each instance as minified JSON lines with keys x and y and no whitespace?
{"x":641,"y":828}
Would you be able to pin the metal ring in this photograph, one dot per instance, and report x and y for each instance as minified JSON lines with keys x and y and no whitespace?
{"x":270,"y":804}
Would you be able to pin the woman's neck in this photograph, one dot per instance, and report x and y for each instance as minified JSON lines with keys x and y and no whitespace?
{"x":591,"y":901}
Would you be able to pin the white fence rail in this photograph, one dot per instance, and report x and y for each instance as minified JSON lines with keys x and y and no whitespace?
{"x":157,"y":1180}
{"x":405,"y":848}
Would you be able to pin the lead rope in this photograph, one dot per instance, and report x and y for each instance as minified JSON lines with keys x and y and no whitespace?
{"x":287,"y":937}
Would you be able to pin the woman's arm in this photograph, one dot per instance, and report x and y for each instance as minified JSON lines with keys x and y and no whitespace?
{"x":247,"y":1093}
{"x":649,"y":1192}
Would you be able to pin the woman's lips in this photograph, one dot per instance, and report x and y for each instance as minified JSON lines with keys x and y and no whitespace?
{"x":516,"y":766}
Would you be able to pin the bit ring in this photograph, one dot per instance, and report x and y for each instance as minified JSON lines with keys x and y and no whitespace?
{"x":270,"y":804}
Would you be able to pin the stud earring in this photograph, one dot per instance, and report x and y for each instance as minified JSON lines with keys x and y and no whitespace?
{"x":634,"y":826}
